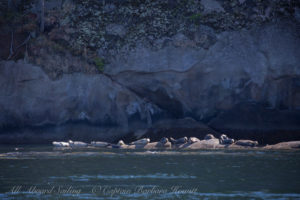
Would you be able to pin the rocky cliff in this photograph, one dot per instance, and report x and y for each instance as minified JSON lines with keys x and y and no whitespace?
{"x":122,"y":69}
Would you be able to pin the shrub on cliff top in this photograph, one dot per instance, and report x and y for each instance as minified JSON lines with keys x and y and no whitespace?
{"x":99,"y":62}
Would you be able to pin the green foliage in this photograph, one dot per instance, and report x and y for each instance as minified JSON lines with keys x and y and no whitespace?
{"x":99,"y":62}
{"x":58,"y":48}
{"x":11,"y":16}
{"x":195,"y":16}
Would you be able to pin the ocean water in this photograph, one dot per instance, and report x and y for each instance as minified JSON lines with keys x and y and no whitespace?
{"x":42,"y":172}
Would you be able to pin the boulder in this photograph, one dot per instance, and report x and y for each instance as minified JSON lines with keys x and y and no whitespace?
{"x":284,"y":145}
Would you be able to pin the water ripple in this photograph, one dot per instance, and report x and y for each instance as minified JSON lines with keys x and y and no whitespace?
{"x":116,"y":177}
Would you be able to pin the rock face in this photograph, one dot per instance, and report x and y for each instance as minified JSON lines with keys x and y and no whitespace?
{"x":247,"y":66}
{"x":206,"y":77}
{"x":248,"y":78}
{"x":30,"y":98}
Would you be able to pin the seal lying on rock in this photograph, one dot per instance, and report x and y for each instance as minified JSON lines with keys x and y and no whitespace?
{"x":77,"y":144}
{"x":182,"y":140}
{"x":143,"y":141}
{"x":193,"y":140}
{"x":209,"y":136}
{"x":121,"y":143}
{"x":99,"y":144}
{"x":60,"y":144}
{"x":247,"y":143}
{"x":224,"y":139}
{"x":164,"y":140}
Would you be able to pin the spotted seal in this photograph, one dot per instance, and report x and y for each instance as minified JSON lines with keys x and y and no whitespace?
{"x":164,"y":140}
{"x":60,"y":144}
{"x":247,"y":143}
{"x":143,"y":141}
{"x":182,"y":140}
{"x":77,"y":144}
{"x":99,"y":144}
{"x":193,"y":140}
{"x":121,"y":143}
{"x":209,"y":136}
{"x":224,"y":139}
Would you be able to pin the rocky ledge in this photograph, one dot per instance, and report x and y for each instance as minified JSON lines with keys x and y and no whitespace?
{"x":191,"y":143}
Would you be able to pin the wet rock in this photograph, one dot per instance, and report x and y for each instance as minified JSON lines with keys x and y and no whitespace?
{"x":284,"y":145}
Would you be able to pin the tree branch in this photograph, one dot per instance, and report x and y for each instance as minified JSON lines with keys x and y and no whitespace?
{"x":12,"y":53}
{"x":11,"y":49}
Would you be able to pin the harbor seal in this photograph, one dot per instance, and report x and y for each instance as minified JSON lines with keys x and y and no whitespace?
{"x":224,"y":139}
{"x":247,"y":143}
{"x":182,"y":140}
{"x":121,"y":143}
{"x":193,"y":140}
{"x":77,"y":144}
{"x":164,"y":140}
{"x":60,"y":144}
{"x":99,"y":144}
{"x":118,"y":145}
{"x":143,"y":141}
{"x":209,"y":136}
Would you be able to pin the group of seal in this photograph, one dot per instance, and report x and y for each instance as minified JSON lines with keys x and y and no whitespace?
{"x":70,"y":143}
{"x":163,"y":142}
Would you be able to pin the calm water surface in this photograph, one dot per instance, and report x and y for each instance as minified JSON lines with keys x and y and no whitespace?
{"x":41,"y":172}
